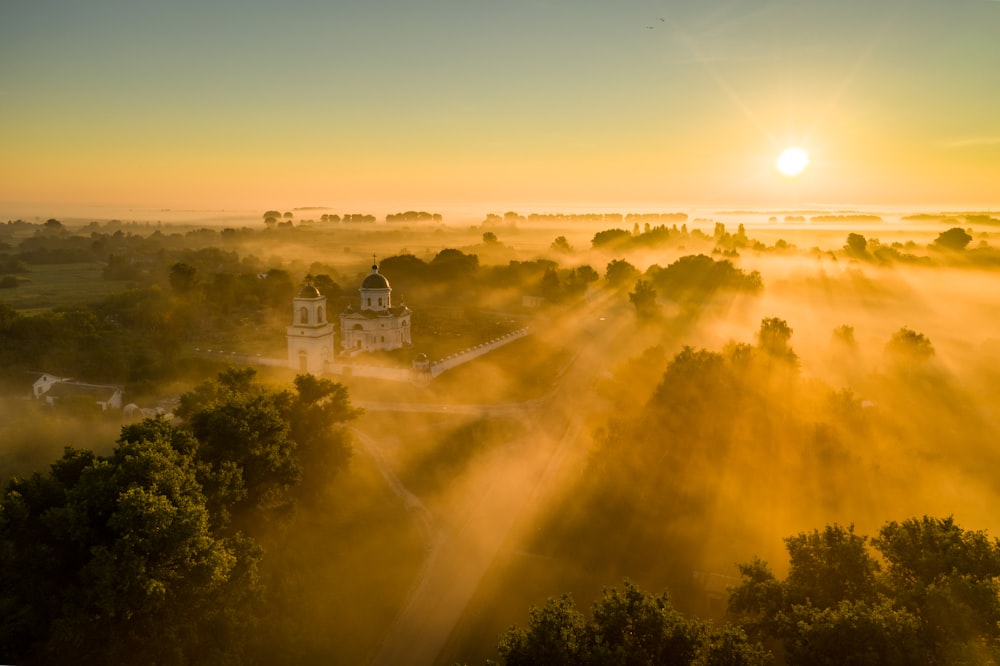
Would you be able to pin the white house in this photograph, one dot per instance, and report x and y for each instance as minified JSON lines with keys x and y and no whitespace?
{"x":52,"y":389}
{"x":45,"y":382}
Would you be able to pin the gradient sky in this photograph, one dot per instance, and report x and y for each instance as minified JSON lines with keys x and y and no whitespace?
{"x":385,"y":105}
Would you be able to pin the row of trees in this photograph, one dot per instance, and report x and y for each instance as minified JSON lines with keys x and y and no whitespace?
{"x":577,"y":218}
{"x":150,"y":554}
{"x":932,"y":596}
{"x":950,"y":246}
{"x":274,"y":218}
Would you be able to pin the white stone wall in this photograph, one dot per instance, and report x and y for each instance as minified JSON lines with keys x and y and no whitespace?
{"x":467,"y":355}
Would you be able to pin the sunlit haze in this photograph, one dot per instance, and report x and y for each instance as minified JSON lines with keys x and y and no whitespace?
{"x":458,"y":106}
{"x":516,"y":332}
{"x":792,"y":161}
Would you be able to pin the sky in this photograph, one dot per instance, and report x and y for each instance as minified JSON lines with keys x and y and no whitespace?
{"x":577,"y":105}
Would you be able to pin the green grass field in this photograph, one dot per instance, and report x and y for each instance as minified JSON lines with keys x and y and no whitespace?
{"x":50,"y":286}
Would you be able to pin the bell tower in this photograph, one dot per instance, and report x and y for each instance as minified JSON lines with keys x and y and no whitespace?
{"x":310,"y":337}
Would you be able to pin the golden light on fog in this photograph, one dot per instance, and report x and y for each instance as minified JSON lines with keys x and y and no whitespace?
{"x":792,"y":161}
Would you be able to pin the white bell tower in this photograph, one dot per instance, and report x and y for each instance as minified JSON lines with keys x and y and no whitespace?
{"x":310,"y":337}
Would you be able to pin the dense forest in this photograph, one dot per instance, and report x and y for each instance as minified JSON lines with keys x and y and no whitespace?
{"x":692,"y":394}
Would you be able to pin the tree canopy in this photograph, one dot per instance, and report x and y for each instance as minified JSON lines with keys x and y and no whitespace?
{"x":627,"y":626}
{"x":936,"y":600}
{"x":147,"y":554}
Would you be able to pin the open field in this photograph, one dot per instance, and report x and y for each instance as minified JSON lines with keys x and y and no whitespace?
{"x":49,"y":286}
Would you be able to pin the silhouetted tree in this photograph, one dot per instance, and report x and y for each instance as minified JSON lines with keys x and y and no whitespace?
{"x":610,"y":238}
{"x":182,"y":277}
{"x":560,"y":244}
{"x":856,"y":245}
{"x":773,"y":338}
{"x":627,"y":626}
{"x":955,"y":238}
{"x":906,"y":346}
{"x":937,"y":602}
{"x":453,"y":265}
{"x":620,"y":272}
{"x":692,"y":277}
{"x":844,"y":334}
{"x":643,"y":299}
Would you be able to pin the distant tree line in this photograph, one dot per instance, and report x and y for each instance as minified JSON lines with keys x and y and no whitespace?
{"x":276,"y":219}
{"x":949,"y":247}
{"x":414,"y":216}
{"x":587,"y":218}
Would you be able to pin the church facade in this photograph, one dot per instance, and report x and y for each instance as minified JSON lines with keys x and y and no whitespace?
{"x":376,"y":324}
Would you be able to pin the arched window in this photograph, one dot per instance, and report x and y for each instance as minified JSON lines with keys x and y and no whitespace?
{"x":304,"y":315}
{"x":319,"y":315}
{"x":369,"y":302}
{"x":380,"y":302}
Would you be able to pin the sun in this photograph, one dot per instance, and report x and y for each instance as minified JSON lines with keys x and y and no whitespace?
{"x":792,"y":161}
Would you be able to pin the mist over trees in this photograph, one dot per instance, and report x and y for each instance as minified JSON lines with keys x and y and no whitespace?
{"x":627,"y":626}
{"x":148,"y":554}
{"x":691,"y":392}
{"x":932,"y":597}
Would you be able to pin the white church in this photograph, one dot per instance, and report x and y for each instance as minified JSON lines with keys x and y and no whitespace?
{"x":375,"y":325}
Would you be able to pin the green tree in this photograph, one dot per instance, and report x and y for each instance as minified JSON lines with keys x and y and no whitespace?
{"x":245,"y":441}
{"x":123,"y":553}
{"x":256,"y":443}
{"x":830,"y":566}
{"x":947,"y":576}
{"x":627,"y":626}
{"x":936,"y":602}
{"x":451,"y":265}
{"x":182,"y":277}
{"x":317,"y":415}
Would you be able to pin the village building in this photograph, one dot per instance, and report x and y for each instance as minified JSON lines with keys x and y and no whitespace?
{"x":53,"y":389}
{"x":376,"y":324}
{"x":44,"y":382}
